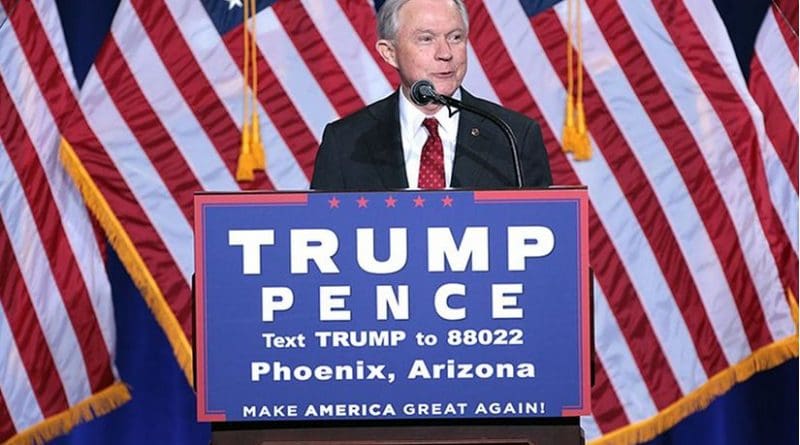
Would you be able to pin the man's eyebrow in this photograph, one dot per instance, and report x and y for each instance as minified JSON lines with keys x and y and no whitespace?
{"x":430,"y":31}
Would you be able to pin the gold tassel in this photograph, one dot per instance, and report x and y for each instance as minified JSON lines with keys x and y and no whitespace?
{"x":582,"y":145}
{"x":246,"y":163}
{"x":256,"y":145}
{"x":792,"y":306}
{"x":568,"y":132}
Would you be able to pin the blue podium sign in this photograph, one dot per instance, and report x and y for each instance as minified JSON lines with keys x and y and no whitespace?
{"x":392,"y":305}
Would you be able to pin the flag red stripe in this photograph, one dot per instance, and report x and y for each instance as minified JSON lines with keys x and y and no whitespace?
{"x":609,"y":271}
{"x":629,"y":173}
{"x":278,"y":105}
{"x":193,"y":85}
{"x":137,"y":224}
{"x":606,"y":408}
{"x":146,"y":127}
{"x":631,"y":318}
{"x":72,"y":124}
{"x":789,"y":10}
{"x":778,"y":123}
{"x":362,"y":16}
{"x":7,"y":429}
{"x":738,"y":124}
{"x":28,"y":336}
{"x":41,"y":57}
{"x":318,"y":57}
{"x":59,"y":253}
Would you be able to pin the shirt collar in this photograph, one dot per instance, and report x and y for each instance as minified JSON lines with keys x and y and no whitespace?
{"x":412,"y":116}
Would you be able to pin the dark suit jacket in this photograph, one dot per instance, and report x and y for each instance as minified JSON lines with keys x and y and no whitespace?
{"x":364,"y":151}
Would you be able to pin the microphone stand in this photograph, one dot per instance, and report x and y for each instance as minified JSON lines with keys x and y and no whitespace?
{"x":512,"y":140}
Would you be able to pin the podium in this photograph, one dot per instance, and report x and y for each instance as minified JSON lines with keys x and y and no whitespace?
{"x":403,"y":317}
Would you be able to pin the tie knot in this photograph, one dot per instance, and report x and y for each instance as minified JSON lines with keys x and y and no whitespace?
{"x":431,"y":124}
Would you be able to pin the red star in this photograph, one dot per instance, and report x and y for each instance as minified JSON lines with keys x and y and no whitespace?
{"x":447,"y":201}
{"x":390,"y":201}
{"x":362,"y":202}
{"x":334,"y":203}
{"x":419,"y":201}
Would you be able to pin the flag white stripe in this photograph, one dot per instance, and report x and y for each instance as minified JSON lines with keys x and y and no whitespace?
{"x":658,"y":166}
{"x":716,"y":147}
{"x":23,"y":408}
{"x":163,"y":96}
{"x":779,"y":65}
{"x":612,"y":207}
{"x":23,"y":232}
{"x":590,"y":429}
{"x":349,"y":50}
{"x":35,"y":269}
{"x":781,"y":192}
{"x":782,"y":71}
{"x":780,"y":68}
{"x":621,"y":368}
{"x":476,"y":81}
{"x":222,"y":72}
{"x":44,"y":136}
{"x":138,"y":172}
{"x":51,"y":22}
{"x":292,"y":72}
{"x":715,"y":34}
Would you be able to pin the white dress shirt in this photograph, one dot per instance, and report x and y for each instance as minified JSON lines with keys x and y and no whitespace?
{"x":414,"y":136}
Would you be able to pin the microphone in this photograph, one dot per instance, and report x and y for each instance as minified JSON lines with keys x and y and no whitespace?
{"x":423,"y":93}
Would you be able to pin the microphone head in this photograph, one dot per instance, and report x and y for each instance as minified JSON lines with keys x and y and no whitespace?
{"x":423,"y":92}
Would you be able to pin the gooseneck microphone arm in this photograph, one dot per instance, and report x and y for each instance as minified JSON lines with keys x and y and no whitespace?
{"x":423,"y":93}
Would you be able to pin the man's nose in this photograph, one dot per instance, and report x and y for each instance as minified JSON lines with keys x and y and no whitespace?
{"x":443,"y":50}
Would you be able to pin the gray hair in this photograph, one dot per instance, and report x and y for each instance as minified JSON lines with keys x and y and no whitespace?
{"x":387,"y":17}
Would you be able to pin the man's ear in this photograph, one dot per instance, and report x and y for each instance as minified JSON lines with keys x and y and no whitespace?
{"x":386,"y":50}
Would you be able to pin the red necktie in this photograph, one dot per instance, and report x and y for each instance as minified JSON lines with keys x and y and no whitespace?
{"x":431,"y":162}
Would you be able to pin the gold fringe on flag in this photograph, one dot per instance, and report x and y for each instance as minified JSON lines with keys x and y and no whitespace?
{"x":130,"y":257}
{"x":251,"y":155}
{"x":767,"y":357}
{"x":96,"y":405}
{"x":575,"y":136}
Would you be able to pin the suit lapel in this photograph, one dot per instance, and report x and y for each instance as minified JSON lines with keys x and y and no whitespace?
{"x":386,"y":145}
{"x":472,"y":149}
{"x":474,"y":165}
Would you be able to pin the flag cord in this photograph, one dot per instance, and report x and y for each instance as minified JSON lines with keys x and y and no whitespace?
{"x":568,"y":132}
{"x":583,"y":148}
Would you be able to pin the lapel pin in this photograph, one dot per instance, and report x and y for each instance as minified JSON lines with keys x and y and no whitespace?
{"x":475,"y":132}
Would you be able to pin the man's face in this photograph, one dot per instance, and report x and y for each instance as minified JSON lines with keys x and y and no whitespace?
{"x":431,"y":43}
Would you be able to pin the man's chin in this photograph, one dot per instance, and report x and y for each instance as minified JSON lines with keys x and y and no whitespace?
{"x":446,"y":88}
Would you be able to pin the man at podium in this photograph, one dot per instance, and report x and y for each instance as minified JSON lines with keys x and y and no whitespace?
{"x":396,"y":143}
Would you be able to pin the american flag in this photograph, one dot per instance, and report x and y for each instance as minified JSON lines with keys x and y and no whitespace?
{"x":693,"y":178}
{"x":57,"y":337}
